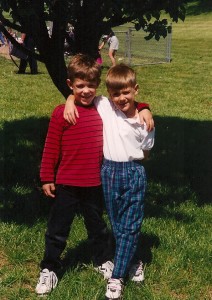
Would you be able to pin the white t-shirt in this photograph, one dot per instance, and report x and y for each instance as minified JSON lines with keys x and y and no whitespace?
{"x":124,"y":138}
{"x":113,"y":43}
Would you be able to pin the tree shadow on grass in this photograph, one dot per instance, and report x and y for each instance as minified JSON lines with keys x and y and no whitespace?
{"x":179,"y":168}
{"x":84,"y":253}
{"x":198,"y":7}
{"x":21,"y":198}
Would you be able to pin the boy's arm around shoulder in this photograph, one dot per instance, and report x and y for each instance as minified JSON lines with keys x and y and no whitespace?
{"x":70,"y":113}
{"x":145,"y":115}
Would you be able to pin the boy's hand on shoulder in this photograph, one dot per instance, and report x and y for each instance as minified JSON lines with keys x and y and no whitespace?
{"x":49,"y":189}
{"x":70,"y":113}
{"x":146,"y":116}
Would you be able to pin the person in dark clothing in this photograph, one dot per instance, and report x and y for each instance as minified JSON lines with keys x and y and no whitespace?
{"x":29,"y":44}
{"x":2,"y":39}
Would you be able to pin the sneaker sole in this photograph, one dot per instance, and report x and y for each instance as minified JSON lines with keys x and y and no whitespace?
{"x":137,"y":281}
{"x":120,"y":298}
{"x":43,"y":294}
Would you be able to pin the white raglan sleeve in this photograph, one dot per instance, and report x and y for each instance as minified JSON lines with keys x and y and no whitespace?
{"x":103,"y":106}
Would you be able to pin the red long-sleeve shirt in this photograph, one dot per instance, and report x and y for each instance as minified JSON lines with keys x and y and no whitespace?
{"x":73,"y":153}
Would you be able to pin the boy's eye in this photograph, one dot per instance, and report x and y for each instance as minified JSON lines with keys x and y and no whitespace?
{"x":79,"y":86}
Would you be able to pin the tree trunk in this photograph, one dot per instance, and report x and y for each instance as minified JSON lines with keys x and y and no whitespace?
{"x":52,"y":49}
{"x":88,"y":27}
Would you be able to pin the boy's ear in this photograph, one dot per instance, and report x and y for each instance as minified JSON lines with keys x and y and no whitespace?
{"x":136,"y":89}
{"x":69,"y":83}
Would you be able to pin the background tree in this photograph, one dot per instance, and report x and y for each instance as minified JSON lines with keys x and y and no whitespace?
{"x":90,"y":20}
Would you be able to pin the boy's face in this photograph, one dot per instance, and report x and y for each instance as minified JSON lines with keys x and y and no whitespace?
{"x":83,"y":90}
{"x":124,"y":99}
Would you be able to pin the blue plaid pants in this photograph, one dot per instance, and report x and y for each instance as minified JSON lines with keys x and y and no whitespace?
{"x":124,"y":185}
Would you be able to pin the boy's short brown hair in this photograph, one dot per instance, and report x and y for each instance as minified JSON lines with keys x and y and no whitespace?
{"x":84,"y":67}
{"x":119,"y":77}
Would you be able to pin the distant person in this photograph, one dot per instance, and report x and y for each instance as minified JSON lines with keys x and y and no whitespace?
{"x":99,"y":59}
{"x":69,"y":45}
{"x":2,"y":39}
{"x":29,"y":44}
{"x":49,"y":28}
{"x":113,"y":43}
{"x":101,"y":45}
{"x":12,"y":33}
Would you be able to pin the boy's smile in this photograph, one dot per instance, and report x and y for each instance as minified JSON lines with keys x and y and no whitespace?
{"x":83,"y":90}
{"x":124,"y":99}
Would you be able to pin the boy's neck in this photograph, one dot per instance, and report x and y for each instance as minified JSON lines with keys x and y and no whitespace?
{"x":131,"y":113}
{"x":79,"y":104}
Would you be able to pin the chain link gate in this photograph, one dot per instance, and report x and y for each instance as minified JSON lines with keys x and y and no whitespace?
{"x":135,"y":50}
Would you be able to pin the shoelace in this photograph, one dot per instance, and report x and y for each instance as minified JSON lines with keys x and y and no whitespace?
{"x":115,"y":284}
{"x":138,"y":268}
{"x":44,"y":278}
{"x":108,"y":266}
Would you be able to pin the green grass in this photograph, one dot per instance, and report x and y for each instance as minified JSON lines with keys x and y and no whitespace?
{"x":176,"y":233}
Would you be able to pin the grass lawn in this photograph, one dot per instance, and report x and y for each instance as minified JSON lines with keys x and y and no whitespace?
{"x":176,"y":233}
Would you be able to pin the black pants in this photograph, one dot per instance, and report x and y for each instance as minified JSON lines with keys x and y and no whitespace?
{"x":68,"y":200}
{"x":29,"y":43}
{"x":32,"y":64}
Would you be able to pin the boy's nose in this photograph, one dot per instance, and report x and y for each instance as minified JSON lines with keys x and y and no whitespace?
{"x":86,"y":89}
{"x":121,"y":98}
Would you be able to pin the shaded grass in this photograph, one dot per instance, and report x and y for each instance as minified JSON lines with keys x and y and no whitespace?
{"x":199,"y":7}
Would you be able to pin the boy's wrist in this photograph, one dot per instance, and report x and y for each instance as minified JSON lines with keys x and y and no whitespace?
{"x":71,"y":98}
{"x":145,"y":107}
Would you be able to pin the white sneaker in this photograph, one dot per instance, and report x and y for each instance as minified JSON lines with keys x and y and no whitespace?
{"x":106,"y":269}
{"x":136,"y":272}
{"x":47,"y":282}
{"x":114,"y":289}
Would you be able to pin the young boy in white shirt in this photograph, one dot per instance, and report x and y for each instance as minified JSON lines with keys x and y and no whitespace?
{"x":126,"y":144}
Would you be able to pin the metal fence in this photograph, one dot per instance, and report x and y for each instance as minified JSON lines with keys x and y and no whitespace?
{"x":135,"y":50}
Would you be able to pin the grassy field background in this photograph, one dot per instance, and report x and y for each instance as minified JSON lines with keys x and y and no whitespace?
{"x":176,"y":233}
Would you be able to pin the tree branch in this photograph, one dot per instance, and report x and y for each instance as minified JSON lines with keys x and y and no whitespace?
{"x":18,"y":45}
{"x":7,"y":23}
